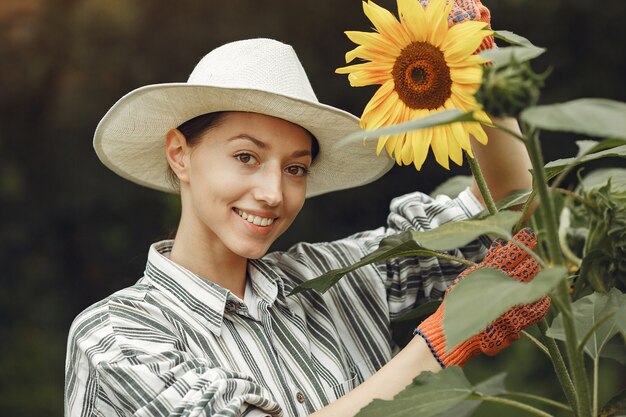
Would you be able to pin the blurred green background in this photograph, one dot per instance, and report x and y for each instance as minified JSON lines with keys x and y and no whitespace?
{"x":72,"y":232}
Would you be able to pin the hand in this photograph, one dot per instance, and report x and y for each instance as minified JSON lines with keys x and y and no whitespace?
{"x":464,"y":10}
{"x":513,"y":261}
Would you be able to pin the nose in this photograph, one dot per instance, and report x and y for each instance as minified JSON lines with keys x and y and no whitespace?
{"x":269,"y":186}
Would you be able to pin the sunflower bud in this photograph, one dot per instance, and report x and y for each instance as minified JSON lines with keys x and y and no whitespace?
{"x":507,"y":90}
{"x":605,"y":246}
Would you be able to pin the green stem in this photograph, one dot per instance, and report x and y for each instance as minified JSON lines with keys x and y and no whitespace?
{"x":455,"y":259}
{"x":516,"y":404}
{"x":509,"y":131}
{"x":559,"y":366}
{"x":436,"y":254}
{"x":482,"y":185}
{"x":575,"y":358}
{"x":540,"y":399}
{"x":564,"y":226}
{"x":525,"y":210}
{"x":546,"y":205}
{"x":536,"y":342}
{"x":573,"y":195}
{"x":596,"y":362}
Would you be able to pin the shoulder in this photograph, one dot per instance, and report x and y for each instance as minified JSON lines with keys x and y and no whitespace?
{"x":100,"y":329}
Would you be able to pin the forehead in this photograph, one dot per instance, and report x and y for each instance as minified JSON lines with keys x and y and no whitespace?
{"x":265,"y":128}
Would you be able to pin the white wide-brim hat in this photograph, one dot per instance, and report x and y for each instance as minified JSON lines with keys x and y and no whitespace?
{"x":255,"y":75}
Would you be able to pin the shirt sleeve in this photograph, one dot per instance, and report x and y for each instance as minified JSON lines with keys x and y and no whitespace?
{"x":131,"y":364}
{"x":415,"y":280}
{"x":406,"y":281}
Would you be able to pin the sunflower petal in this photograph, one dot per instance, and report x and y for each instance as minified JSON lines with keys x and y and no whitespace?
{"x":378,"y":111}
{"x":374,"y":40}
{"x":381,"y":144}
{"x":386,"y":24}
{"x":440,"y":145}
{"x":390,"y":145}
{"x":469,"y":75}
{"x":476,"y":130}
{"x":398,"y":149}
{"x":463,"y":98}
{"x":455,"y":151}
{"x":437,"y":16}
{"x":463,"y":39}
{"x":421,"y":143}
{"x":413,"y":17}
{"x":371,"y":54}
{"x":470,"y":61}
{"x":407,"y":150}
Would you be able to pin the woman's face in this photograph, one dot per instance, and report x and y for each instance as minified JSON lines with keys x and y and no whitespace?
{"x":246,"y":181}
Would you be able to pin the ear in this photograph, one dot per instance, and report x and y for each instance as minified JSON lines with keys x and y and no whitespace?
{"x":175,"y":151}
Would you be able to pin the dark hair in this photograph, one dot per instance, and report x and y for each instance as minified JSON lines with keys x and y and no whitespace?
{"x":193,"y":129}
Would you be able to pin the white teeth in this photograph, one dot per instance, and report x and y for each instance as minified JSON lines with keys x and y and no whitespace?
{"x":256,"y":220}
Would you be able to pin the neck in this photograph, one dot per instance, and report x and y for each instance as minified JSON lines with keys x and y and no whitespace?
{"x":209,"y":259}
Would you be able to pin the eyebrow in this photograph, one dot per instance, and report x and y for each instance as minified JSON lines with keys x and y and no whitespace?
{"x":263,"y":145}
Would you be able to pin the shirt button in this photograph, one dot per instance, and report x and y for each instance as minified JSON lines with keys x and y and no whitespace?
{"x":300,"y":397}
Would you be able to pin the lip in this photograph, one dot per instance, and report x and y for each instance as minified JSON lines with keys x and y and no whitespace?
{"x":257,"y":229}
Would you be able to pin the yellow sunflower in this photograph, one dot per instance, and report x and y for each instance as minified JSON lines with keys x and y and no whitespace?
{"x":423,"y":67}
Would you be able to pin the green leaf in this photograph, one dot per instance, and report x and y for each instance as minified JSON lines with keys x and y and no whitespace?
{"x":616,"y":350}
{"x":484,"y":294}
{"x":599,"y":177}
{"x":620,"y":319}
{"x":587,"y":146}
{"x":394,"y":246}
{"x":591,"y":116}
{"x":457,"y":234}
{"x":453,"y":186}
{"x":592,"y":146}
{"x":509,"y":54}
{"x":615,"y":406}
{"x":587,"y":312}
{"x":446,"y":237}
{"x":438,"y":119}
{"x":515,"y":198}
{"x":512,"y":38}
{"x":429,"y":394}
{"x":489,"y":387}
{"x":554,"y":168}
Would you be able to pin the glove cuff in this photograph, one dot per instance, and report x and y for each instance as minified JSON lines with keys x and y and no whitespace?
{"x":432,"y":333}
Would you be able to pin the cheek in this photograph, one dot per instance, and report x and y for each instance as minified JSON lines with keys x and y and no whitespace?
{"x":294,"y":198}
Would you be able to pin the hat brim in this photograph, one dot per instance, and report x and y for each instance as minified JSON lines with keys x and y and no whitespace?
{"x":130,"y":138}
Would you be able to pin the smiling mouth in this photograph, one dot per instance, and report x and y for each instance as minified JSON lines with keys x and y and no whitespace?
{"x":256,"y":220}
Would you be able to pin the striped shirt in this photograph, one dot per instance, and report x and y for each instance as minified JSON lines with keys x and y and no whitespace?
{"x":175,"y":344}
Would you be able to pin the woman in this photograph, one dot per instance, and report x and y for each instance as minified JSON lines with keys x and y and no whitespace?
{"x":210,"y":329}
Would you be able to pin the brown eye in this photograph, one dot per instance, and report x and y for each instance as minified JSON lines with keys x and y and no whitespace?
{"x":297,"y":170}
{"x":246,"y":158}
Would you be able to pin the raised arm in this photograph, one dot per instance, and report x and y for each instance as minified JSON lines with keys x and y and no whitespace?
{"x":426,"y":351}
{"x":504,"y":161}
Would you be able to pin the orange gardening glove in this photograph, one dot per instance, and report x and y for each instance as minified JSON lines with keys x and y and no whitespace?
{"x":514,"y":262}
{"x":464,"y":10}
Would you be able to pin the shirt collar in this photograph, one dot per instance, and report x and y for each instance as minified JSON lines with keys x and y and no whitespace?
{"x":268,"y":282}
{"x":203,"y":297}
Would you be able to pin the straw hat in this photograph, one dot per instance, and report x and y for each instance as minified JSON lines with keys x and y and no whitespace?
{"x":256,"y":75}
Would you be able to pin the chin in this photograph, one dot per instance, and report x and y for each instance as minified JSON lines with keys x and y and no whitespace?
{"x":252,"y":253}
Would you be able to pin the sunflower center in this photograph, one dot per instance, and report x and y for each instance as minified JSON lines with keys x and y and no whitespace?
{"x":422,"y":77}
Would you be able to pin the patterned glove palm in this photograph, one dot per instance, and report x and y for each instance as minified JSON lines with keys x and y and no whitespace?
{"x":514,"y":262}
{"x":464,"y":10}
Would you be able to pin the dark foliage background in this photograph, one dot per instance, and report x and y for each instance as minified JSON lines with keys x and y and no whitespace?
{"x":72,"y":232}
